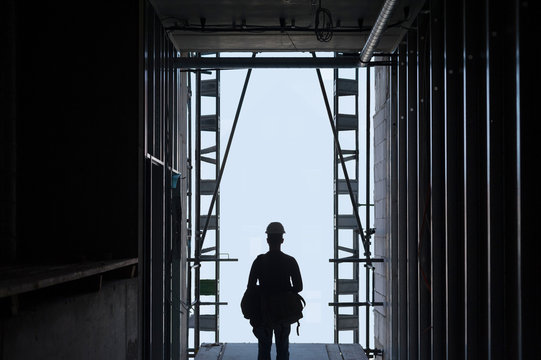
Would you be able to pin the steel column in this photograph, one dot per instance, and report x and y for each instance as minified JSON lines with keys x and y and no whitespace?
{"x":454,"y":191}
{"x":145,"y":272}
{"x":528,"y":147}
{"x":423,"y":184}
{"x":156,"y":253}
{"x":437,"y":180}
{"x":393,"y":223}
{"x":402,"y":204}
{"x":145,"y":265}
{"x":168,"y":156}
{"x":177,"y":273}
{"x":501,"y":137}
{"x":412,"y":195}
{"x":475,"y":181}
{"x":520,"y":16}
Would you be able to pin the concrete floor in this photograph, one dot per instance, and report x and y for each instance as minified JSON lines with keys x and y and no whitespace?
{"x":248,"y":351}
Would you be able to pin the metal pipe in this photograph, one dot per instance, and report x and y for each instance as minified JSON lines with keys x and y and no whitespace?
{"x":200,"y":260}
{"x":377,"y":30}
{"x":356,"y":260}
{"x":335,"y":230}
{"x":189,"y":228}
{"x":367,"y":163}
{"x":356,"y":269}
{"x":353,"y":303}
{"x":217,"y":199}
{"x":232,"y":63}
{"x":198,"y":245}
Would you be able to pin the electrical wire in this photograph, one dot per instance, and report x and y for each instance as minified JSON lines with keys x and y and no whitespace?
{"x":259,"y":29}
{"x":324,"y":26}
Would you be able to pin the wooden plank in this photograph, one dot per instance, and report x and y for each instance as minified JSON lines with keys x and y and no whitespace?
{"x":307,"y":351}
{"x":210,"y":351}
{"x":352,"y":352}
{"x":20,"y":279}
{"x":298,"y":351}
{"x":333,"y":352}
{"x":236,"y":351}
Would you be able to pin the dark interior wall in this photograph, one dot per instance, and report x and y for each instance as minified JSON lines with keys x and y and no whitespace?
{"x":69,"y":137}
{"x":74,"y":79}
{"x":467,"y":193}
{"x":7,"y":134}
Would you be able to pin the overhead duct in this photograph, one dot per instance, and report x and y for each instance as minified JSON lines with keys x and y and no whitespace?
{"x":377,"y":30}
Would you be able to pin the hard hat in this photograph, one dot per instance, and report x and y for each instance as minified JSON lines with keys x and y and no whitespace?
{"x":275,"y":228}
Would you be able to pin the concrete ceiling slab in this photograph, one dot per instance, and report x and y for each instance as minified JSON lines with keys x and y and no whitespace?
{"x":278,"y":25}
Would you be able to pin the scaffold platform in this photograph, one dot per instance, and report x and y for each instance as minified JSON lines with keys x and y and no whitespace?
{"x":248,"y":351}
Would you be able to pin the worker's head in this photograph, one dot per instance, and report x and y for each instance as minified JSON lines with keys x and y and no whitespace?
{"x":275,"y":233}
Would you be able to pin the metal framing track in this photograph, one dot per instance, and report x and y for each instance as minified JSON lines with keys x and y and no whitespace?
{"x":460,"y":145}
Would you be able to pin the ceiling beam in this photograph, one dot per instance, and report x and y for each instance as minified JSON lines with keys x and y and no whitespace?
{"x":230,"y":63}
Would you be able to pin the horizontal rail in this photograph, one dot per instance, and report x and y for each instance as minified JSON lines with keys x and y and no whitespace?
{"x":213,"y":303}
{"x":349,"y":304}
{"x":355,"y":260}
{"x":210,"y":259}
{"x":231,"y":63}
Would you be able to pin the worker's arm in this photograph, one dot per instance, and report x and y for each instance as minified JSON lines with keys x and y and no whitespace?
{"x":254,"y":271}
{"x":296,"y":278}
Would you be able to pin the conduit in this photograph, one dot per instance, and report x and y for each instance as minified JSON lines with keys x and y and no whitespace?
{"x":377,"y":30}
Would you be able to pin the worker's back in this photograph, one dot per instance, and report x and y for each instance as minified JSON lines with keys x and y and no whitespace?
{"x":277,"y":272}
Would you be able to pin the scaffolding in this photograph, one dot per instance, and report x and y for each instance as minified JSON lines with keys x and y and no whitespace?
{"x":207,"y":151}
{"x":344,"y":125}
{"x":208,"y":187}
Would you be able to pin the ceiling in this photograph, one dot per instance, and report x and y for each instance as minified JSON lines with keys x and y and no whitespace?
{"x":280,"y":25}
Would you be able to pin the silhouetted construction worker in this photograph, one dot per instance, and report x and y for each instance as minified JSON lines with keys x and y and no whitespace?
{"x":278,"y":274}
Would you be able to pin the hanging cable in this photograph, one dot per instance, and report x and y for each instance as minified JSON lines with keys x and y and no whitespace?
{"x":323,"y":26}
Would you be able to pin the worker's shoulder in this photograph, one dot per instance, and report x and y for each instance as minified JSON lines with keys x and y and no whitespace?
{"x":289,"y":257}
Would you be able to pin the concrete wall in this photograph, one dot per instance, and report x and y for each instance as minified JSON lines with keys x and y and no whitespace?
{"x":97,"y":325}
{"x":381,"y":239}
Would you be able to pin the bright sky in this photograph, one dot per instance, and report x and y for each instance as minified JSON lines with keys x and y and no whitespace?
{"x":280,"y":168}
